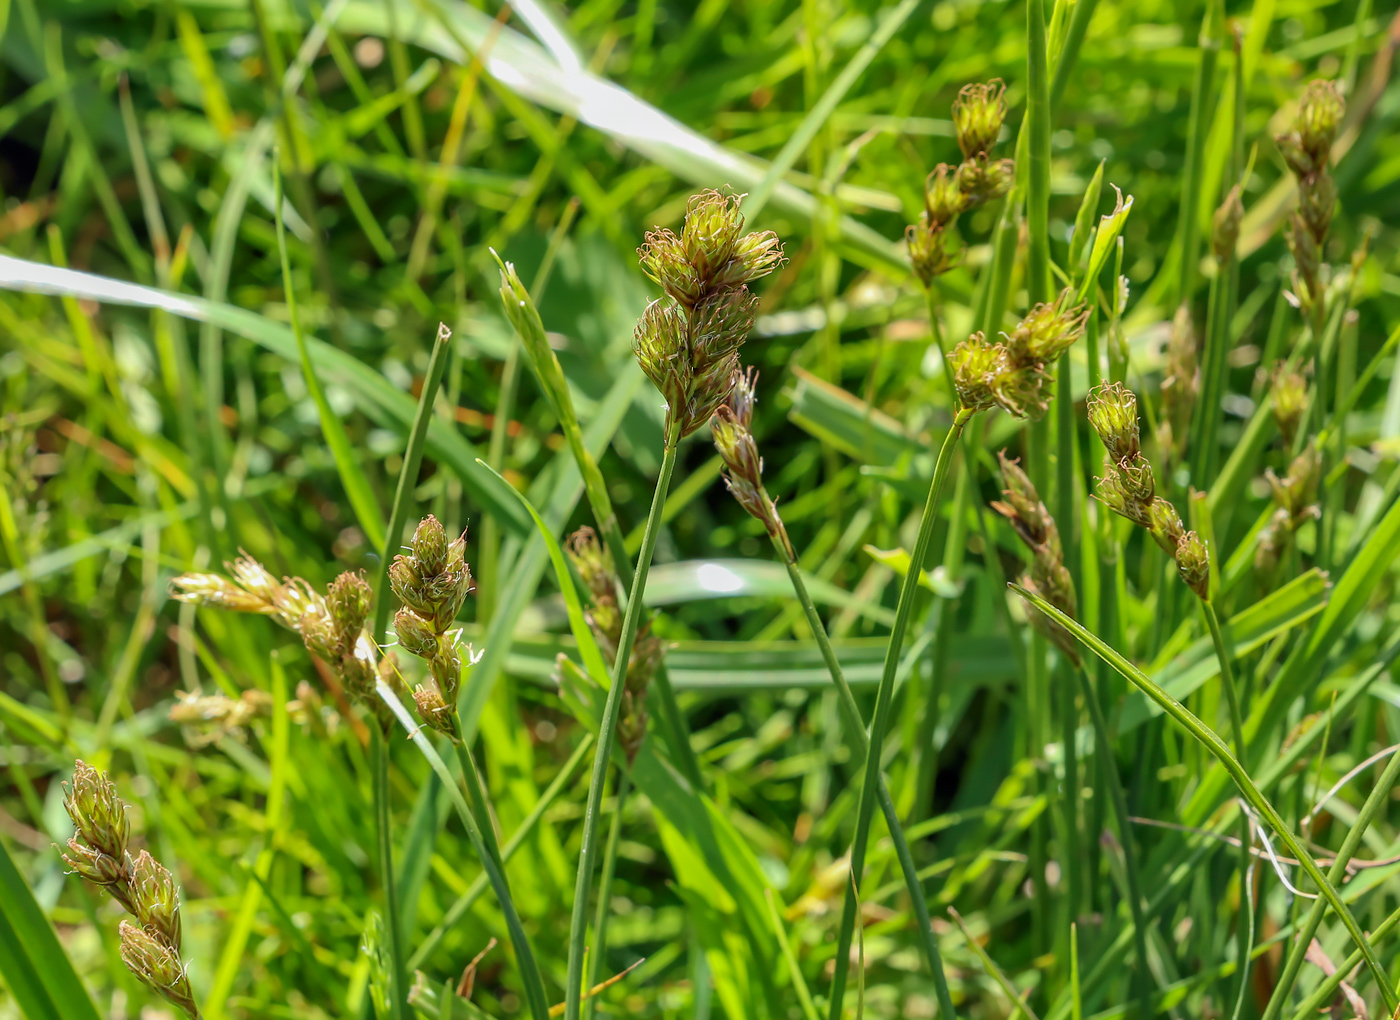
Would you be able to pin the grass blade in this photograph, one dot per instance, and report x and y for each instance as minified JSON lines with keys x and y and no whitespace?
{"x":1207,"y":738}
{"x":352,"y":476}
{"x":36,"y":969}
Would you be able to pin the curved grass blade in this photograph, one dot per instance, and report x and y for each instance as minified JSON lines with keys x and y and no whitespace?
{"x":380,"y":399}
{"x":37,"y":971}
{"x":1216,"y":747}
{"x":352,"y":476}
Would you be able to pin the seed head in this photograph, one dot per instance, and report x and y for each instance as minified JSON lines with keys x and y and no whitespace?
{"x":97,"y":812}
{"x":1121,"y":498}
{"x":593,"y":565}
{"x":347,"y":601}
{"x":415,"y":634}
{"x":943,"y":199}
{"x":978,"y":113}
{"x":743,"y":466}
{"x":1226,"y":233}
{"x":1165,"y":525}
{"x":928,"y":250}
{"x":1290,"y":400}
{"x":94,"y":866}
{"x":982,"y":180}
{"x":1113,"y":415}
{"x":977,"y":365}
{"x":434,"y":711}
{"x":156,"y":899}
{"x":157,"y":966}
{"x":1048,"y":330}
{"x":1307,"y":146}
{"x":1193,"y":564}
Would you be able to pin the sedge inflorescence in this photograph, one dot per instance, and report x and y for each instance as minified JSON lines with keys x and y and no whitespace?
{"x":332,"y":626}
{"x":1307,"y":149}
{"x":605,"y":619}
{"x":743,"y":466}
{"x":688,"y":342}
{"x":1128,"y":488}
{"x":432,"y":581}
{"x":1012,"y":374}
{"x":1048,"y":575}
{"x":145,"y":888}
{"x":978,"y":113}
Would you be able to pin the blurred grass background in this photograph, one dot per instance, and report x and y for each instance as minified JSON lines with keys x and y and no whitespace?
{"x":135,"y":144}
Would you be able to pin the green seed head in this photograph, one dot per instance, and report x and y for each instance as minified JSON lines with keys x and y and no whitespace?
{"x":1165,"y":525}
{"x":977,"y":365}
{"x":435,"y":711}
{"x":97,"y":812}
{"x":347,"y":602}
{"x":1193,"y":563}
{"x":429,"y":545}
{"x":156,"y":898}
{"x":1048,"y":330}
{"x":978,"y":113}
{"x":1113,"y":415}
{"x":928,"y":250}
{"x":943,"y":199}
{"x":1226,"y":233}
{"x":983,"y":180}
{"x":157,"y":966}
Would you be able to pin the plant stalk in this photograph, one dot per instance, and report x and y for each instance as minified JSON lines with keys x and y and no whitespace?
{"x":607,"y":735}
{"x":855,"y":726}
{"x":908,"y":591}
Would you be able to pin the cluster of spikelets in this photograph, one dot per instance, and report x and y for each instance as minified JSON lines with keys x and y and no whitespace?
{"x":146,"y":890}
{"x":432,"y":581}
{"x":978,"y":113}
{"x":1048,"y":575}
{"x":1294,"y":496}
{"x":1289,"y":400}
{"x":1012,"y":374}
{"x":688,"y":341}
{"x":732,"y":427}
{"x":332,"y":625}
{"x":1307,"y":149}
{"x":604,"y":616}
{"x":1181,"y":383}
{"x":1129,"y":489}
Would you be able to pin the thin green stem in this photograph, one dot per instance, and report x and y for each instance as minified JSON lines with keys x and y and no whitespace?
{"x":1232,"y":697}
{"x":607,"y":734}
{"x":1038,"y":171}
{"x":476,"y":797}
{"x":1375,"y":800}
{"x":1208,"y":739}
{"x":1119,"y":803}
{"x":908,"y":592}
{"x":463,"y":903}
{"x":1198,"y":128}
{"x":383,"y":832}
{"x":600,"y":917}
{"x":524,"y":952}
{"x":408,"y":476}
{"x":855,"y":726}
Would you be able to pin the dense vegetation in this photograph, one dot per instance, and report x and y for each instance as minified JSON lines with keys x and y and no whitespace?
{"x":1154,"y":274}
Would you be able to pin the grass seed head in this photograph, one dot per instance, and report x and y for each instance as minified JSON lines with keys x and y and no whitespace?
{"x":157,"y":966}
{"x":1193,"y":564}
{"x":1290,"y":399}
{"x":1225,"y":233}
{"x":1113,"y":415}
{"x":156,"y":898}
{"x":743,"y":465}
{"x":98,"y":814}
{"x":978,"y":113}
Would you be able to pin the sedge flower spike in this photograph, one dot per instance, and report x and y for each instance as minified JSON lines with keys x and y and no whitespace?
{"x":432,"y":581}
{"x":688,"y":342}
{"x":143,"y":886}
{"x":1129,"y":489}
{"x":743,"y":466}
{"x":1048,"y":576}
{"x":978,"y":113}
{"x":1307,"y":149}
{"x":604,"y":616}
{"x":1012,"y":374}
